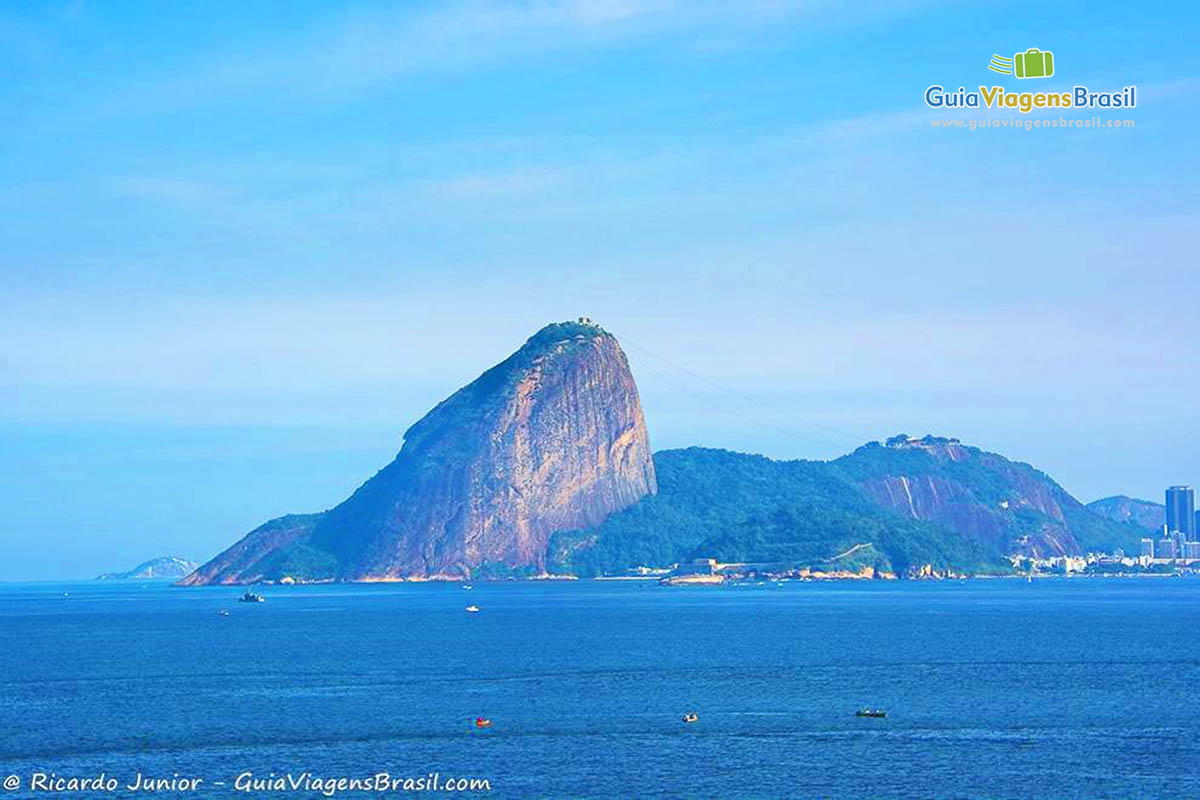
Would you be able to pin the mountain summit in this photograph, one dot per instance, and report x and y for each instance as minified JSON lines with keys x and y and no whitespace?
{"x":1145,"y":514}
{"x":550,"y":439}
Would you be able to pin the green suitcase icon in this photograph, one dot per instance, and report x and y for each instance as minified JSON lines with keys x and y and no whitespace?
{"x":1034,"y":63}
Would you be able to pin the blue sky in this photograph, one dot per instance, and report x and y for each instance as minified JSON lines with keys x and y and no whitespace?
{"x":244,"y":246}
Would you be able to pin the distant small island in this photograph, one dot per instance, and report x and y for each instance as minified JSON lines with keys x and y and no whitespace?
{"x":162,"y":568}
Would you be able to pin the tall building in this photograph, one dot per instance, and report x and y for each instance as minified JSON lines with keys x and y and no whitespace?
{"x":1165,"y":548}
{"x":1181,"y":511}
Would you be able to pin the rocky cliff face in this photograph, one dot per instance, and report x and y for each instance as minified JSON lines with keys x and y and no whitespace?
{"x":550,"y":439}
{"x":1006,"y":506}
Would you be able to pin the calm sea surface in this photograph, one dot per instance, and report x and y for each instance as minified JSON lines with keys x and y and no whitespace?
{"x":994,"y":689}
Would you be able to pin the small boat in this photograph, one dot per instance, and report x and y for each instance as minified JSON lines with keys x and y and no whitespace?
{"x":483,"y":722}
{"x":877,"y":713}
{"x":223,"y":613}
{"x":472,"y":609}
{"x":691,"y":716}
{"x":251,"y":597}
{"x":468,"y":586}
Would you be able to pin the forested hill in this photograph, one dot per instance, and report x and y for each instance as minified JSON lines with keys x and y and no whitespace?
{"x":896,"y":506}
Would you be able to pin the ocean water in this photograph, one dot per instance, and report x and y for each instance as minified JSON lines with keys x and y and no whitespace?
{"x":994,"y":689}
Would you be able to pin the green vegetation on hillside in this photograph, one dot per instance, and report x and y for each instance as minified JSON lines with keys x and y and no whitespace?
{"x":745,"y":508}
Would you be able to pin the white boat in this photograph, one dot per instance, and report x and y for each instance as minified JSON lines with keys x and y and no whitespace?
{"x":472,"y":609}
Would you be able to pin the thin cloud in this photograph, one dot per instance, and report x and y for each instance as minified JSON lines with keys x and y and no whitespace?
{"x":343,"y":56}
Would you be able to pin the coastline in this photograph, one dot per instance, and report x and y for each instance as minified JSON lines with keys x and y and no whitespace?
{"x":815,"y":576}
